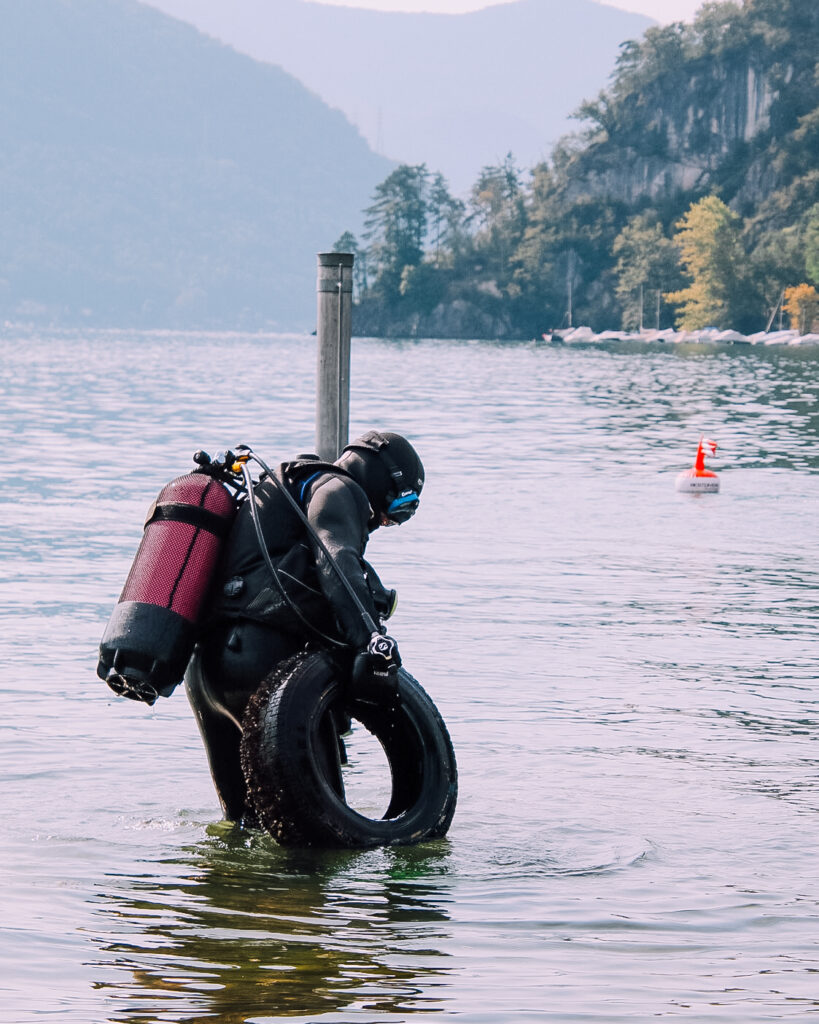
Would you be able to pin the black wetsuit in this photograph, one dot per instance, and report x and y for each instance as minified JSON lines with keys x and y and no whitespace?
{"x":251,"y":627}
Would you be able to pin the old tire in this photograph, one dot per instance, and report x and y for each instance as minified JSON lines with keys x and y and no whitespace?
{"x":290,"y":759}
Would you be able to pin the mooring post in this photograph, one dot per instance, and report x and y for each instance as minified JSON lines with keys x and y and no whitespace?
{"x":334,"y":326}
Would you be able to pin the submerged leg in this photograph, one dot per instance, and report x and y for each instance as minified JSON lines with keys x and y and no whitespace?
{"x":221,"y":735}
{"x":226,"y":669}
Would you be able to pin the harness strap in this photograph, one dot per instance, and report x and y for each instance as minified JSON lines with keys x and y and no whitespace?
{"x":305,"y":484}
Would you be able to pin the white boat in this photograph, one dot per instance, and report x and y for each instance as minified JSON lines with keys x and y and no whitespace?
{"x":580,"y":334}
{"x":780,"y":337}
{"x":732,"y":337}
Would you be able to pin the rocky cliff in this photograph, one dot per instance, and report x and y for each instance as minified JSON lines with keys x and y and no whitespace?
{"x":712,"y":106}
{"x":696,"y":121}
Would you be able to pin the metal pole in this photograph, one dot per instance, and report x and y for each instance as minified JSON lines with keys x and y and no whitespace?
{"x":775,"y":309}
{"x":333,"y":329}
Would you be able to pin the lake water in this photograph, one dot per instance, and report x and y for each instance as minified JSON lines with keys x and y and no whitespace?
{"x":628,"y":675}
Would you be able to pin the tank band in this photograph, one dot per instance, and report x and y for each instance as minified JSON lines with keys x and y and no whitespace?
{"x":192,"y":514}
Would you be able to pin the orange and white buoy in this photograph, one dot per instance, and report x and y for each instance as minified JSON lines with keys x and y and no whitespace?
{"x":698,"y":479}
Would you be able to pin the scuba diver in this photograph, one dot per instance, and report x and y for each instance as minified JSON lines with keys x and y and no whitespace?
{"x":257,"y":617}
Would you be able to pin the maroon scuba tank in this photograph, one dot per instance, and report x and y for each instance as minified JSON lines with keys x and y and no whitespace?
{"x":152,"y":631}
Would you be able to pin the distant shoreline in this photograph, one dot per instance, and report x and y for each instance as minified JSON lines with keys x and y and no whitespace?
{"x":564,"y":336}
{"x":708,"y":335}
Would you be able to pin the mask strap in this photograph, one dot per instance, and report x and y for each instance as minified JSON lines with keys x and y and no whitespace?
{"x":373,"y":441}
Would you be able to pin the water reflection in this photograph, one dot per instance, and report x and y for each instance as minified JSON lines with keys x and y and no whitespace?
{"x":629,"y":677}
{"x":237,"y":928}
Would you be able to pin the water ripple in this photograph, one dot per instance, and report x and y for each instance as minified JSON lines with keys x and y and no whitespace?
{"x":628,"y":674}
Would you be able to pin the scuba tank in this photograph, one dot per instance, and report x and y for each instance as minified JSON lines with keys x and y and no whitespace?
{"x":152,"y":630}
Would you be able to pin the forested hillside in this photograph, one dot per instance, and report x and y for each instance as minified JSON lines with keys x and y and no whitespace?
{"x":151,"y":176}
{"x":689,"y":195}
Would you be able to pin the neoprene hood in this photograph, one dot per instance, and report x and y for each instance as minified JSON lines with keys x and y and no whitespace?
{"x":384,"y":465}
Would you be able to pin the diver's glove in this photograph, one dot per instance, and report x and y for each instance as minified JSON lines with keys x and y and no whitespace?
{"x":384,"y":599}
{"x":386,"y":604}
{"x":375,"y":671}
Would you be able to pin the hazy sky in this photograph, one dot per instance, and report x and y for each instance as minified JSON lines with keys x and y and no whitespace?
{"x":661,"y":10}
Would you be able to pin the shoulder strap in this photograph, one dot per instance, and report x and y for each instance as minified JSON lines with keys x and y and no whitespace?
{"x":299,"y":475}
{"x":305,"y":484}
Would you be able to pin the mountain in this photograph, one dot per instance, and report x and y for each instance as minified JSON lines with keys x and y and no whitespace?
{"x":690,"y":192}
{"x":152,"y":176}
{"x":453,"y":91}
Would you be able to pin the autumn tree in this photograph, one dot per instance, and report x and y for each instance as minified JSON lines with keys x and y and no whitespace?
{"x":802,"y":306}
{"x":711,"y":252}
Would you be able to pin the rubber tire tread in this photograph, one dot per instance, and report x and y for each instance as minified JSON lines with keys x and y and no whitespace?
{"x":292,"y":786}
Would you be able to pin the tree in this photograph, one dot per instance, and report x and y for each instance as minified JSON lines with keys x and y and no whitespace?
{"x":802,"y":306}
{"x":422,"y":287}
{"x":812,"y":244}
{"x":536,"y":258}
{"x":662,"y":48}
{"x":777,"y":261}
{"x":717,"y":27}
{"x":446,"y":220}
{"x":647,"y":263}
{"x":601,"y":113}
{"x":499,"y":215}
{"x":396,"y":225}
{"x":708,"y":237}
{"x":349,"y":243}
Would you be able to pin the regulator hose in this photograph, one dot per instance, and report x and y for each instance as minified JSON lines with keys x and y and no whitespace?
{"x":257,"y":526}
